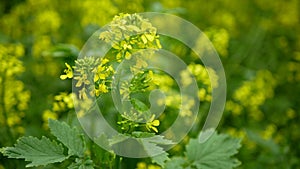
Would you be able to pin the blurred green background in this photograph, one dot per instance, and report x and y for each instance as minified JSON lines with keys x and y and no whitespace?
{"x":258,"y":42}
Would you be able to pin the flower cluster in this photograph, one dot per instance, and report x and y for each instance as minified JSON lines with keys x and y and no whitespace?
{"x":127,"y":34}
{"x":103,"y":76}
{"x":220,"y":39}
{"x":13,"y":96}
{"x":63,"y":103}
{"x":247,"y":101}
{"x":130,"y":33}
{"x":207,"y":80}
{"x":253,"y":93}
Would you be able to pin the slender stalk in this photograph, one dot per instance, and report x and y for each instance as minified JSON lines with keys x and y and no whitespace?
{"x":118,"y":162}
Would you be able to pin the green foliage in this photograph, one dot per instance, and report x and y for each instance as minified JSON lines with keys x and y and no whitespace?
{"x":149,"y":142}
{"x":38,"y":152}
{"x":93,"y":78}
{"x":161,"y":158}
{"x":70,"y":137}
{"x":150,"y":145}
{"x":45,"y":151}
{"x":216,"y":152}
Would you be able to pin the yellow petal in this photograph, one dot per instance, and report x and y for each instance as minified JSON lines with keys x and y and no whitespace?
{"x":144,"y":39}
{"x":63,"y":77}
{"x":102,"y":76}
{"x":127,"y":55}
{"x":103,"y":88}
{"x":154,"y":129}
{"x":68,"y":66}
{"x":96,"y":78}
{"x":104,"y":61}
{"x":150,"y":37}
{"x":155,"y":123}
{"x":97,"y":92}
{"x":70,"y":74}
{"x":119,"y":55}
{"x":158,"y":43}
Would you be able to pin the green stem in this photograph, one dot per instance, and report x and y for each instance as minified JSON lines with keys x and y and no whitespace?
{"x":118,"y":162}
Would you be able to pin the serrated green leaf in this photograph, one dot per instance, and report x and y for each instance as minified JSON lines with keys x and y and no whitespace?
{"x":117,"y":139}
{"x":70,"y":137}
{"x":175,"y":163}
{"x":38,"y":152}
{"x":151,"y":149}
{"x":158,"y":139}
{"x":160,"y":159}
{"x":216,"y":152}
{"x":151,"y":146}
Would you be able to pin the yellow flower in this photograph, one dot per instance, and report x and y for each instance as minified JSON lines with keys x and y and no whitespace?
{"x":104,"y":61}
{"x":13,"y":120}
{"x":101,"y":89}
{"x":152,"y":124}
{"x":101,"y":76}
{"x":144,"y":39}
{"x":47,"y":114}
{"x":126,"y":46}
{"x":186,"y":78}
{"x":269,"y":131}
{"x":141,"y":165}
{"x":68,"y":71}
{"x":102,"y":72}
